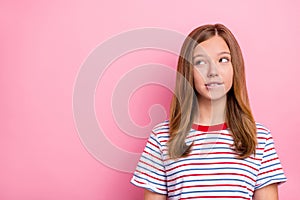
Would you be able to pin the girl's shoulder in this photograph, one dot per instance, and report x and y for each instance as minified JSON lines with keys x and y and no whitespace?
{"x":262,"y":131}
{"x":262,"y":127}
{"x":161,"y":127}
{"x":161,"y":132}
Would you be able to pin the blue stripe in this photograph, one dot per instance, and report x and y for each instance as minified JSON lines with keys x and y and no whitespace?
{"x":148,"y":170}
{"x":216,"y":191}
{"x":274,"y":180}
{"x":268,"y":144}
{"x":209,"y":148}
{"x":212,"y":180}
{"x":211,"y":138}
{"x":160,"y":129}
{"x":263,"y":132}
{"x":153,"y":138}
{"x":270,"y":177}
{"x":215,"y":168}
{"x":268,"y":155}
{"x":278,"y":163}
{"x":152,"y":150}
{"x":216,"y":158}
{"x":163,"y":137}
{"x":154,"y":183}
{"x":151,"y":161}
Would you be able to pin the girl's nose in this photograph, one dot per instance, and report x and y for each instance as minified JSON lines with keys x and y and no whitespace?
{"x":212,"y":70}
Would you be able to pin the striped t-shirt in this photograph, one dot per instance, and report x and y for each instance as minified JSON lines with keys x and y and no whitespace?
{"x":211,"y":170}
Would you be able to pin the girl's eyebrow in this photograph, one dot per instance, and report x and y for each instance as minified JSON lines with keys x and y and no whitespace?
{"x":224,"y":52}
{"x":202,"y":55}
{"x":199,"y":55}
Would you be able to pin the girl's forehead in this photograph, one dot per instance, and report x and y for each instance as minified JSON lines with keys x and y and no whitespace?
{"x":214,"y":45}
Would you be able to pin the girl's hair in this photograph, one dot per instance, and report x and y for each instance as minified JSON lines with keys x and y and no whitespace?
{"x":184,"y":104}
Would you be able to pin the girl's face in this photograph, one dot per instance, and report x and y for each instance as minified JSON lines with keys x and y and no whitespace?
{"x":213,"y":71}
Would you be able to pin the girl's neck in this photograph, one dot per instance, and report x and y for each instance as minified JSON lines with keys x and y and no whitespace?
{"x":211,"y":112}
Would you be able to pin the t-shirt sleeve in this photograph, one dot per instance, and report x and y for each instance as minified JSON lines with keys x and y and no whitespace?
{"x":150,"y":171}
{"x":270,"y":169}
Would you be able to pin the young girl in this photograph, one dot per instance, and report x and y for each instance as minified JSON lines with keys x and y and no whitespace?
{"x":211,"y":147}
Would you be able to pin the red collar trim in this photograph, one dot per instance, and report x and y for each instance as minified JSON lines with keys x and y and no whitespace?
{"x":216,"y":127}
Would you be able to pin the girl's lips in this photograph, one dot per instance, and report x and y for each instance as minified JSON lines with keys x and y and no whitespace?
{"x":213,"y":85}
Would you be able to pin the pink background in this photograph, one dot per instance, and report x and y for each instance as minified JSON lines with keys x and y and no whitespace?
{"x":44,"y":43}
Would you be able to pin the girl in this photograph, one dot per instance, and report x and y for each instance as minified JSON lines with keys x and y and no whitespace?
{"x":211,"y":147}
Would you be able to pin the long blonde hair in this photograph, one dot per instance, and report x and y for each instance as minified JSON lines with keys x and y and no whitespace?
{"x":184,"y":104}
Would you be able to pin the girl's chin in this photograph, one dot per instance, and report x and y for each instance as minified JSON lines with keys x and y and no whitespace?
{"x":215,"y":97}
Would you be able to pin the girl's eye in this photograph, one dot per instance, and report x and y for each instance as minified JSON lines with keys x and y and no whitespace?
{"x":224,"y":60}
{"x":200,"y":62}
